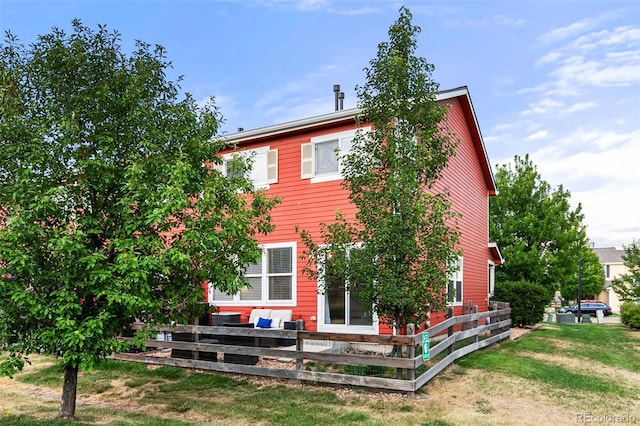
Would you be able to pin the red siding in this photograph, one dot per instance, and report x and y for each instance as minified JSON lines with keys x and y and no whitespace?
{"x":306,"y":205}
{"x":469,"y":195}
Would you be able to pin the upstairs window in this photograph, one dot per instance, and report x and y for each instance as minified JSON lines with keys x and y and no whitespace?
{"x":264,"y":165}
{"x":320,"y":159}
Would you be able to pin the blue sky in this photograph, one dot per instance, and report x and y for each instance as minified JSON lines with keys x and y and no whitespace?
{"x":559,"y":80}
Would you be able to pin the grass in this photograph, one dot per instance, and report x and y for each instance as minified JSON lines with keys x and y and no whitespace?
{"x":591,"y":345}
{"x":615,"y":346}
{"x":560,"y":362}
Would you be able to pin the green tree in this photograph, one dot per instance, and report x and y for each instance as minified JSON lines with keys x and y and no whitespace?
{"x":404,"y":228}
{"x":541,"y":237}
{"x":112,"y":210}
{"x":627,"y":286}
{"x":592,"y":277}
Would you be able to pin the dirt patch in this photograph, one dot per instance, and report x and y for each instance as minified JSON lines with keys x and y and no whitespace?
{"x":518,"y":332}
{"x":480,"y":399}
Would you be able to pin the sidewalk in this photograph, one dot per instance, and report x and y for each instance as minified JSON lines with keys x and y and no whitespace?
{"x":612,"y":319}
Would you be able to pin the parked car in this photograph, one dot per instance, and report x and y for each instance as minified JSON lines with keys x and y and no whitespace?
{"x":588,"y":308}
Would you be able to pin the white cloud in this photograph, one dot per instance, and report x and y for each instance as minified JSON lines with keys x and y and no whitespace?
{"x":508,"y":21}
{"x":484,"y":22}
{"x":540,"y":134}
{"x":304,"y":5}
{"x":580,"y":106}
{"x":504,"y":126}
{"x":549,"y":58}
{"x":580,"y":72}
{"x":610,"y":220}
{"x":354,"y":12}
{"x":280,"y":95}
{"x":311,"y":5}
{"x":620,"y":36}
{"x":318,"y":6}
{"x":544,"y":106}
{"x":563,"y":33}
{"x":598,"y":166}
{"x":605,"y":58}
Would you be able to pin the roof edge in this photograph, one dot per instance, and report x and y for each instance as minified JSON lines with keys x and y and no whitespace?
{"x":328,"y":118}
{"x":495,"y":253}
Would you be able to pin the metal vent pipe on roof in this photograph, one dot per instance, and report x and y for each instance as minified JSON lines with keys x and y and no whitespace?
{"x":336,"y":92}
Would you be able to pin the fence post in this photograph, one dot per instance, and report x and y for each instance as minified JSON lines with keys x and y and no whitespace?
{"x":411,"y":331}
{"x":475,"y":323}
{"x":299,"y":347}
{"x":450,"y":329}
{"x":494,"y":307}
{"x":196,"y":339}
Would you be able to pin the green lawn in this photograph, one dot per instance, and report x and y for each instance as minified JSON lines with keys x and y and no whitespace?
{"x":568,"y":367}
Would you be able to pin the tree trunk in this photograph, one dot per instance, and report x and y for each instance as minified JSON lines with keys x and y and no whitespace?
{"x":69,"y":388}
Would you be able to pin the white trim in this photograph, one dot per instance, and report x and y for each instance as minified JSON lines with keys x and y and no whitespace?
{"x":491,"y":278}
{"x":374,"y":328}
{"x":308,"y":158}
{"x":338,"y":135}
{"x":252,"y":153}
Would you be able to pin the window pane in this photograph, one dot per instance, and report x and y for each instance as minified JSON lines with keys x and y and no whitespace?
{"x":334,"y":308}
{"x":326,"y":157}
{"x":345,"y":145}
{"x":357,"y":315}
{"x":220,"y":296}
{"x":254,"y":292}
{"x":254,"y":268}
{"x":234,"y":167}
{"x":334,"y":282}
{"x":279,"y":260}
{"x":279,"y":288}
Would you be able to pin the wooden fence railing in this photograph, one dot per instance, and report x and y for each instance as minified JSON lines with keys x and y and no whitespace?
{"x":333,"y":358}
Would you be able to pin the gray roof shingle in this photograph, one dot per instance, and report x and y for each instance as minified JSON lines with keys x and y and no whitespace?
{"x":609,"y":255}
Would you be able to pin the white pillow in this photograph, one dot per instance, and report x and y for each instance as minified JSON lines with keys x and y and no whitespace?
{"x":275,"y":322}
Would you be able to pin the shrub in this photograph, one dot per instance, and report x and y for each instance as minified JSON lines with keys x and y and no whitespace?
{"x":630,"y":312}
{"x":527,"y":300}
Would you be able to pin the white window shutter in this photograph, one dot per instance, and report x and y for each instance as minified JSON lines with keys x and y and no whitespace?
{"x":272,"y":166}
{"x":306,"y":166}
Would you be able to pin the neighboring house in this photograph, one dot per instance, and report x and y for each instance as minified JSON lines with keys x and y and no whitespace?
{"x":614,"y":267}
{"x":299,"y":162}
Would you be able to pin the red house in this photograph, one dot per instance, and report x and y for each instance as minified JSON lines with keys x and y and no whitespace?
{"x":297,"y":161}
